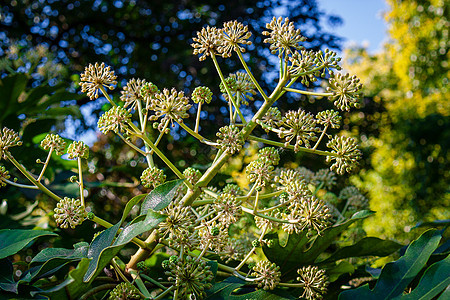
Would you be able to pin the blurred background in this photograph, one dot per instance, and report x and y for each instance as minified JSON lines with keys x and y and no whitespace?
{"x":399,"y":49}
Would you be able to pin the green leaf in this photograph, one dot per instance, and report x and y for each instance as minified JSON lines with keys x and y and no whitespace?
{"x":10,"y":89}
{"x":161,"y":196}
{"x":14,"y":240}
{"x":72,"y":287}
{"x":7,"y":276}
{"x":342,"y":267}
{"x":369,"y":246}
{"x":435,"y":279}
{"x":97,"y":251}
{"x":396,"y":276}
{"x":294,"y":255}
{"x":128,"y":233}
{"x":78,"y":252}
{"x":103,"y":249}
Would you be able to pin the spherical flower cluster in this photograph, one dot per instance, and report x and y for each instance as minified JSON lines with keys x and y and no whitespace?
{"x":4,"y":175}
{"x":148,"y":90}
{"x":267,"y":274}
{"x":228,"y":209}
{"x":329,"y":118}
{"x":170,"y":105}
{"x":283,"y":36}
{"x":192,"y":277}
{"x":260,"y":172}
{"x":78,"y":149}
{"x":232,"y":189}
{"x":346,"y":153}
{"x":303,"y":65}
{"x":189,"y":242}
{"x":207,"y":42}
{"x":230,"y":82}
{"x":292,"y":183}
{"x":131,"y":93}
{"x":271,"y":118}
{"x":124,"y":291}
{"x":232,"y":35}
{"x":213,"y":236}
{"x":310,"y":213}
{"x":69,"y":212}
{"x":230,"y":139}
{"x":115,"y":119}
{"x":179,"y":221}
{"x":300,"y":126}
{"x":314,"y":282}
{"x":152,"y":177}
{"x":55,"y":142}
{"x":324,"y":177}
{"x":202,"y":94}
{"x":95,"y":77}
{"x":345,"y":91}
{"x":8,"y":138}
{"x":243,"y":85}
{"x":192,"y":175}
{"x":271,"y":154}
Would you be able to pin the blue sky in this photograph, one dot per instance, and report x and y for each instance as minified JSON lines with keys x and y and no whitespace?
{"x":363,"y":21}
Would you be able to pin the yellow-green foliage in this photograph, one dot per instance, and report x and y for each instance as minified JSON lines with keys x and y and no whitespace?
{"x":409,"y":157}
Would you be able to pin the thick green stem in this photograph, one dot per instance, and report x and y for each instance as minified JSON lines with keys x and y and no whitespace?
{"x":30,"y":177}
{"x":191,"y":195}
{"x":197,"y":135}
{"x":102,"y":89}
{"x":19,"y":185}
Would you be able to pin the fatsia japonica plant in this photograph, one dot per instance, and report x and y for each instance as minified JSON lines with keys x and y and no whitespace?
{"x":287,"y":234}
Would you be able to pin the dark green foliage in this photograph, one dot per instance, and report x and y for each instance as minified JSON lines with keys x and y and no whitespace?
{"x":396,"y":276}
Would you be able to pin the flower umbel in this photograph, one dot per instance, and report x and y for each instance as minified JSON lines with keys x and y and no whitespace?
{"x":283,"y":36}
{"x":267,"y":274}
{"x":207,"y":41}
{"x":230,"y":139}
{"x":301,"y":126}
{"x":69,"y":212}
{"x":131,"y":93}
{"x":152,"y":177}
{"x":191,"y":276}
{"x":201,"y":94}
{"x":347,"y":154}
{"x":313,"y":281}
{"x":345,"y":90}
{"x":170,"y":105}
{"x":115,"y":120}
{"x":124,"y":291}
{"x":78,"y":149}
{"x":232,"y":35}
{"x":55,"y":142}
{"x":329,"y":118}
{"x":8,"y":138}
{"x":228,"y":208}
{"x":96,"y":76}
